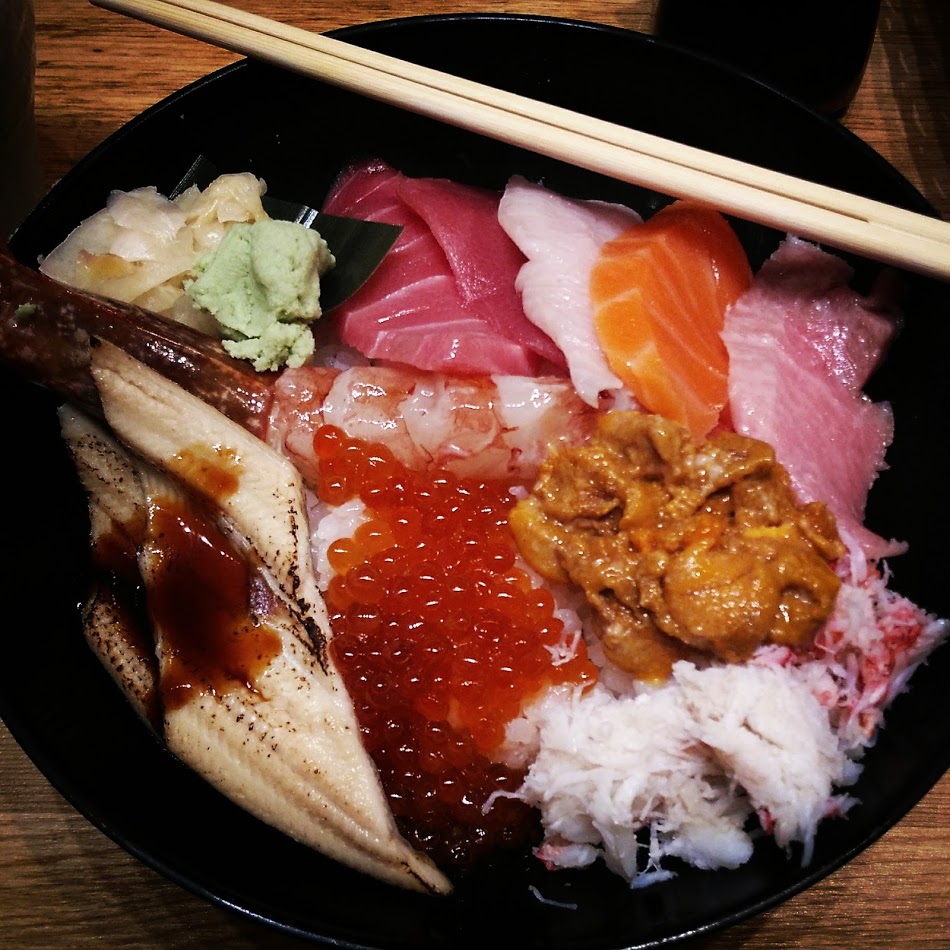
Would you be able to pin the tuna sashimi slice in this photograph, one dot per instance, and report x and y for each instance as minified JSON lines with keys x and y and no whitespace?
{"x":456,"y":346}
{"x":364,"y":190}
{"x":562,"y":238}
{"x":845,"y":330}
{"x":483,"y":258}
{"x":800,"y":347}
{"x":443,"y":299}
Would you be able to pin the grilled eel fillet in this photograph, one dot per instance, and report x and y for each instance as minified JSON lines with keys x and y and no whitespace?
{"x":287,"y":746}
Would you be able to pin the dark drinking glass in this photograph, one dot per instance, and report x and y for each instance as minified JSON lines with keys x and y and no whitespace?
{"x":812,"y":50}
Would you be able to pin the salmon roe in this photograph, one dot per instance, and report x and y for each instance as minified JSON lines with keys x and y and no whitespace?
{"x":441,"y":640}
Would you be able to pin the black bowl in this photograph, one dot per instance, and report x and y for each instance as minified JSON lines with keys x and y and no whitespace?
{"x":297,"y":135}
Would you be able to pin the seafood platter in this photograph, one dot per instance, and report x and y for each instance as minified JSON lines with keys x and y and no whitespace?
{"x":420,"y":524}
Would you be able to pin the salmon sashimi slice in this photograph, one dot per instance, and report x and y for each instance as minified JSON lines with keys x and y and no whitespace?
{"x":660,"y":292}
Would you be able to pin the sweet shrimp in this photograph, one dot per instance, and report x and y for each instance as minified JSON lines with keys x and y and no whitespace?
{"x":471,"y":426}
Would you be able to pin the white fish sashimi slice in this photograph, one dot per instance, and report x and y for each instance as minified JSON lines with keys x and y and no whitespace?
{"x":562,"y":238}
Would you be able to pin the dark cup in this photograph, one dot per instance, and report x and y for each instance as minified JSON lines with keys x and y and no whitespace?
{"x":812,"y":50}
{"x":20,"y":178}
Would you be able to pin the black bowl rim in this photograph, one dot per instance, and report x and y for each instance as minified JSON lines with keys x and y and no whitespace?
{"x":912,"y":793}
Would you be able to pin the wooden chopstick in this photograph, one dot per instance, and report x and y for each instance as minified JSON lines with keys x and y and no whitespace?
{"x":826,"y":215}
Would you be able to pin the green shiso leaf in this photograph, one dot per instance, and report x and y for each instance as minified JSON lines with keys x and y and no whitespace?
{"x":358,"y":246}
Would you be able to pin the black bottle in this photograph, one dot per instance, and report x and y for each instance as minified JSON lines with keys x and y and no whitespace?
{"x":812,"y":50}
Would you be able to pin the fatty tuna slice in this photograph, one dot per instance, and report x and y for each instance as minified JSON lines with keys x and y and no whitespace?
{"x":801,"y":344}
{"x":419,"y":308}
{"x":562,"y":238}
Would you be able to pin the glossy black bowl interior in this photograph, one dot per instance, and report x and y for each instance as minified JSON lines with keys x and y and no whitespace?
{"x":297,"y":135}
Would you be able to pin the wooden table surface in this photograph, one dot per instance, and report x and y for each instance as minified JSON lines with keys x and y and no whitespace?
{"x":62,"y":882}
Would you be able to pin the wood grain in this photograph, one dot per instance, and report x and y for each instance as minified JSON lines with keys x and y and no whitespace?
{"x":62,"y":882}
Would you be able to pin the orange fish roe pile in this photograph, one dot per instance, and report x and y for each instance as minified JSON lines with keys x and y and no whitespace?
{"x":441,"y":640}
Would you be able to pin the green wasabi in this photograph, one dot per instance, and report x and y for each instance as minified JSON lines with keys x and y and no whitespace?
{"x":262,"y":286}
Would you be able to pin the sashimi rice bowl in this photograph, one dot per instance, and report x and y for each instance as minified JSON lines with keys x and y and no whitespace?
{"x":545,"y":541}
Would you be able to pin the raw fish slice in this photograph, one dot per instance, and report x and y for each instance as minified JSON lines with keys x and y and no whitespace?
{"x":366,"y":189}
{"x":414,"y":310}
{"x":829,"y":436}
{"x":372,"y":195}
{"x":410,"y":310}
{"x":466,"y":347}
{"x":844,"y":329}
{"x":485,"y":261}
{"x":422,"y":323}
{"x":660,"y":292}
{"x":562,"y":238}
{"x":412,"y":287}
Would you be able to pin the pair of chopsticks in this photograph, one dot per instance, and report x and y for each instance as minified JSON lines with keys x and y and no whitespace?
{"x":821,"y":214}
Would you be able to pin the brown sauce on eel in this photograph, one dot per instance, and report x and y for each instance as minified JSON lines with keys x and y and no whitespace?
{"x":208,"y":599}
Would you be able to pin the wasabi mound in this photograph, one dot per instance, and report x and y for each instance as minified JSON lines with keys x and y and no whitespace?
{"x":262,"y":285}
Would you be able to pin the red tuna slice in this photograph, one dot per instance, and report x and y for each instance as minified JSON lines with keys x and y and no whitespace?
{"x":463,"y":347}
{"x":483,"y":258}
{"x":416,"y":290}
{"x":366,"y":190}
{"x":410,"y":311}
{"x":800,"y":345}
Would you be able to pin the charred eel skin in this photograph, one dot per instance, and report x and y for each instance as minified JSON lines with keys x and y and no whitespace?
{"x":47,"y":331}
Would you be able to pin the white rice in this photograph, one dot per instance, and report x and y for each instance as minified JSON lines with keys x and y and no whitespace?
{"x":329,"y":524}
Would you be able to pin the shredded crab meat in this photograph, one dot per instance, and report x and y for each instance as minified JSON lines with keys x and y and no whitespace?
{"x":864,"y":655}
